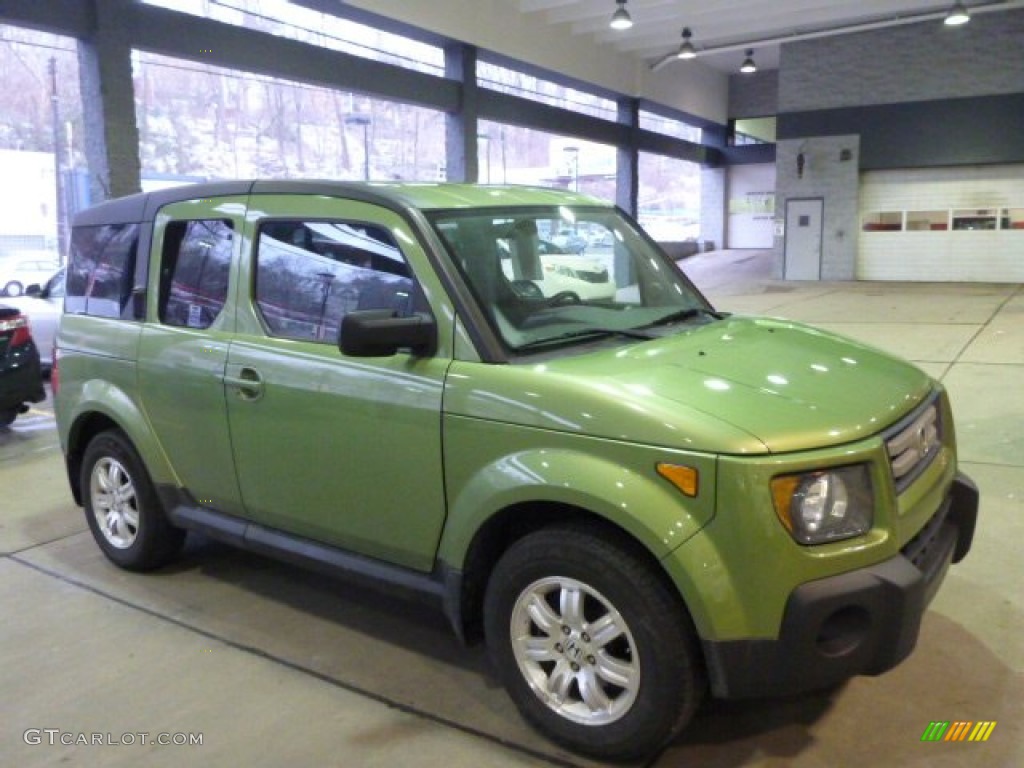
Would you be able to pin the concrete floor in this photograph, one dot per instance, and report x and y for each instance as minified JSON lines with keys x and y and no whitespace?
{"x":275,"y":666}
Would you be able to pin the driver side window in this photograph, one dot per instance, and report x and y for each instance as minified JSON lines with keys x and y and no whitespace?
{"x":310,"y":274}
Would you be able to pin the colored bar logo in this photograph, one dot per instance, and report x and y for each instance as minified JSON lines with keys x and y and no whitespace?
{"x":958,"y":730}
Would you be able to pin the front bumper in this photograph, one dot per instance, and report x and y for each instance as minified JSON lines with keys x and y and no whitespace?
{"x":859,"y":623}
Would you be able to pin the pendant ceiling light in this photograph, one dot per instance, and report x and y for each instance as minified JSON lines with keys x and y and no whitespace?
{"x":621,"y":18}
{"x":686,"y":49}
{"x":957,"y":15}
{"x":748,"y":64}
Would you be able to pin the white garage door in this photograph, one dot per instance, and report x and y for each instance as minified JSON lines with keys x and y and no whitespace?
{"x":944,"y":224}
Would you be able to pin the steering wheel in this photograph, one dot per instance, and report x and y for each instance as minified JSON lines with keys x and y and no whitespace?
{"x":564,"y":298}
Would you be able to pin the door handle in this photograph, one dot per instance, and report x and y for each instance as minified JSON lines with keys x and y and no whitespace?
{"x":248,"y":382}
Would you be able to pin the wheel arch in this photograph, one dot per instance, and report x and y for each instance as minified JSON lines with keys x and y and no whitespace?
{"x":512,"y":523}
{"x":498,"y":501}
{"x":91,"y":422}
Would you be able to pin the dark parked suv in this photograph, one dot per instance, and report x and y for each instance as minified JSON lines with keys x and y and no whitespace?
{"x":20,"y":379}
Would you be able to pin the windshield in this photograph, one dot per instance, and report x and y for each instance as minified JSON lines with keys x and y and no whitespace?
{"x":553,"y":276}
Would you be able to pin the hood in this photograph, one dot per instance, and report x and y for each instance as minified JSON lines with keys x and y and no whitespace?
{"x":738,"y":386}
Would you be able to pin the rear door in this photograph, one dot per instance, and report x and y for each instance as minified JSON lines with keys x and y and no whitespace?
{"x":341,"y":450}
{"x":184,"y":346}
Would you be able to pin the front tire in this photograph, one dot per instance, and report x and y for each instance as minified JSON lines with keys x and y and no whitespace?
{"x":593,"y":646}
{"x":122,"y":508}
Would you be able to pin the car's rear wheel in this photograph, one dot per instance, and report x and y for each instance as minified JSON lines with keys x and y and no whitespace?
{"x":591,"y":643}
{"x":122,"y":508}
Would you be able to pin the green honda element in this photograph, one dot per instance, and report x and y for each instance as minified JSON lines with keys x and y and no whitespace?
{"x":633,"y":499}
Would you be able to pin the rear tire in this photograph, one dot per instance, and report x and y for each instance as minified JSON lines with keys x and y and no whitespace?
{"x":8,"y":416}
{"x":594,"y":647}
{"x":122,"y":508}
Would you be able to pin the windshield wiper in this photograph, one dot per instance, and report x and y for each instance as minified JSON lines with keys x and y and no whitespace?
{"x":596,"y":333}
{"x":685,"y":314}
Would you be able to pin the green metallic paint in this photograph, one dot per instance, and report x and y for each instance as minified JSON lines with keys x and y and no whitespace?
{"x":106,"y":389}
{"x":491,"y":466}
{"x":405,"y":459}
{"x":181,"y":370}
{"x":738,"y":572}
{"x":346,"y":451}
{"x":740,"y":387}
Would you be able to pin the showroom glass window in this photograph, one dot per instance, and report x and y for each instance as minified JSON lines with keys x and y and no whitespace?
{"x":32,"y":226}
{"x":293,"y":21}
{"x":668,"y":126}
{"x":198,"y":121}
{"x":310,"y":274}
{"x":510,"y":154}
{"x":670,"y":197}
{"x":498,"y":77}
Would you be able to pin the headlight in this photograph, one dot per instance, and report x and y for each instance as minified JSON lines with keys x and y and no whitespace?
{"x":829,"y":505}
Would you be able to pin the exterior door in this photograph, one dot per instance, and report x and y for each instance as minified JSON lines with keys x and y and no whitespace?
{"x":803,"y":239}
{"x":184,"y":346}
{"x":346,"y":451}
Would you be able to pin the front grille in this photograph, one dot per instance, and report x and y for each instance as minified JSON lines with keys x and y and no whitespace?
{"x":922,"y":549}
{"x":914,"y":443}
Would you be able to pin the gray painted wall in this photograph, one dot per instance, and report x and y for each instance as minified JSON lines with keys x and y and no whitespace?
{"x":835,"y":180}
{"x":712,"y":206}
{"x":754,"y":95}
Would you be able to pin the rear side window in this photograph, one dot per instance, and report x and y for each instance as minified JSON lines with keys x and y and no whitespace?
{"x":194,"y":272}
{"x":310,"y":274}
{"x":101,"y":270}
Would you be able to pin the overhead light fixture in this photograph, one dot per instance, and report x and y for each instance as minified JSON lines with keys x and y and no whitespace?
{"x":686,"y":49}
{"x":621,"y":18}
{"x":957,"y":15}
{"x":748,"y":64}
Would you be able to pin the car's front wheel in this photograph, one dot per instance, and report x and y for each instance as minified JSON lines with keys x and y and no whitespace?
{"x":591,"y":643}
{"x":122,"y":508}
{"x":13,"y":288}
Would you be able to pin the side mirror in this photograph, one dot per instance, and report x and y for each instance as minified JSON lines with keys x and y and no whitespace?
{"x":381,"y":333}
{"x":35,"y":290}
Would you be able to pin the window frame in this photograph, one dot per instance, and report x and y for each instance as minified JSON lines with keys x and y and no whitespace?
{"x":166,"y":281}
{"x":417,"y":296}
{"x":127,"y":280}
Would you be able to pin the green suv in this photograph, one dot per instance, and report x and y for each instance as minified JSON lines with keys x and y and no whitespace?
{"x":631,"y":498}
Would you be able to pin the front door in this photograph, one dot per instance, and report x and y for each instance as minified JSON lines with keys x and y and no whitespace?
{"x":803,"y":239}
{"x":341,"y":450}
